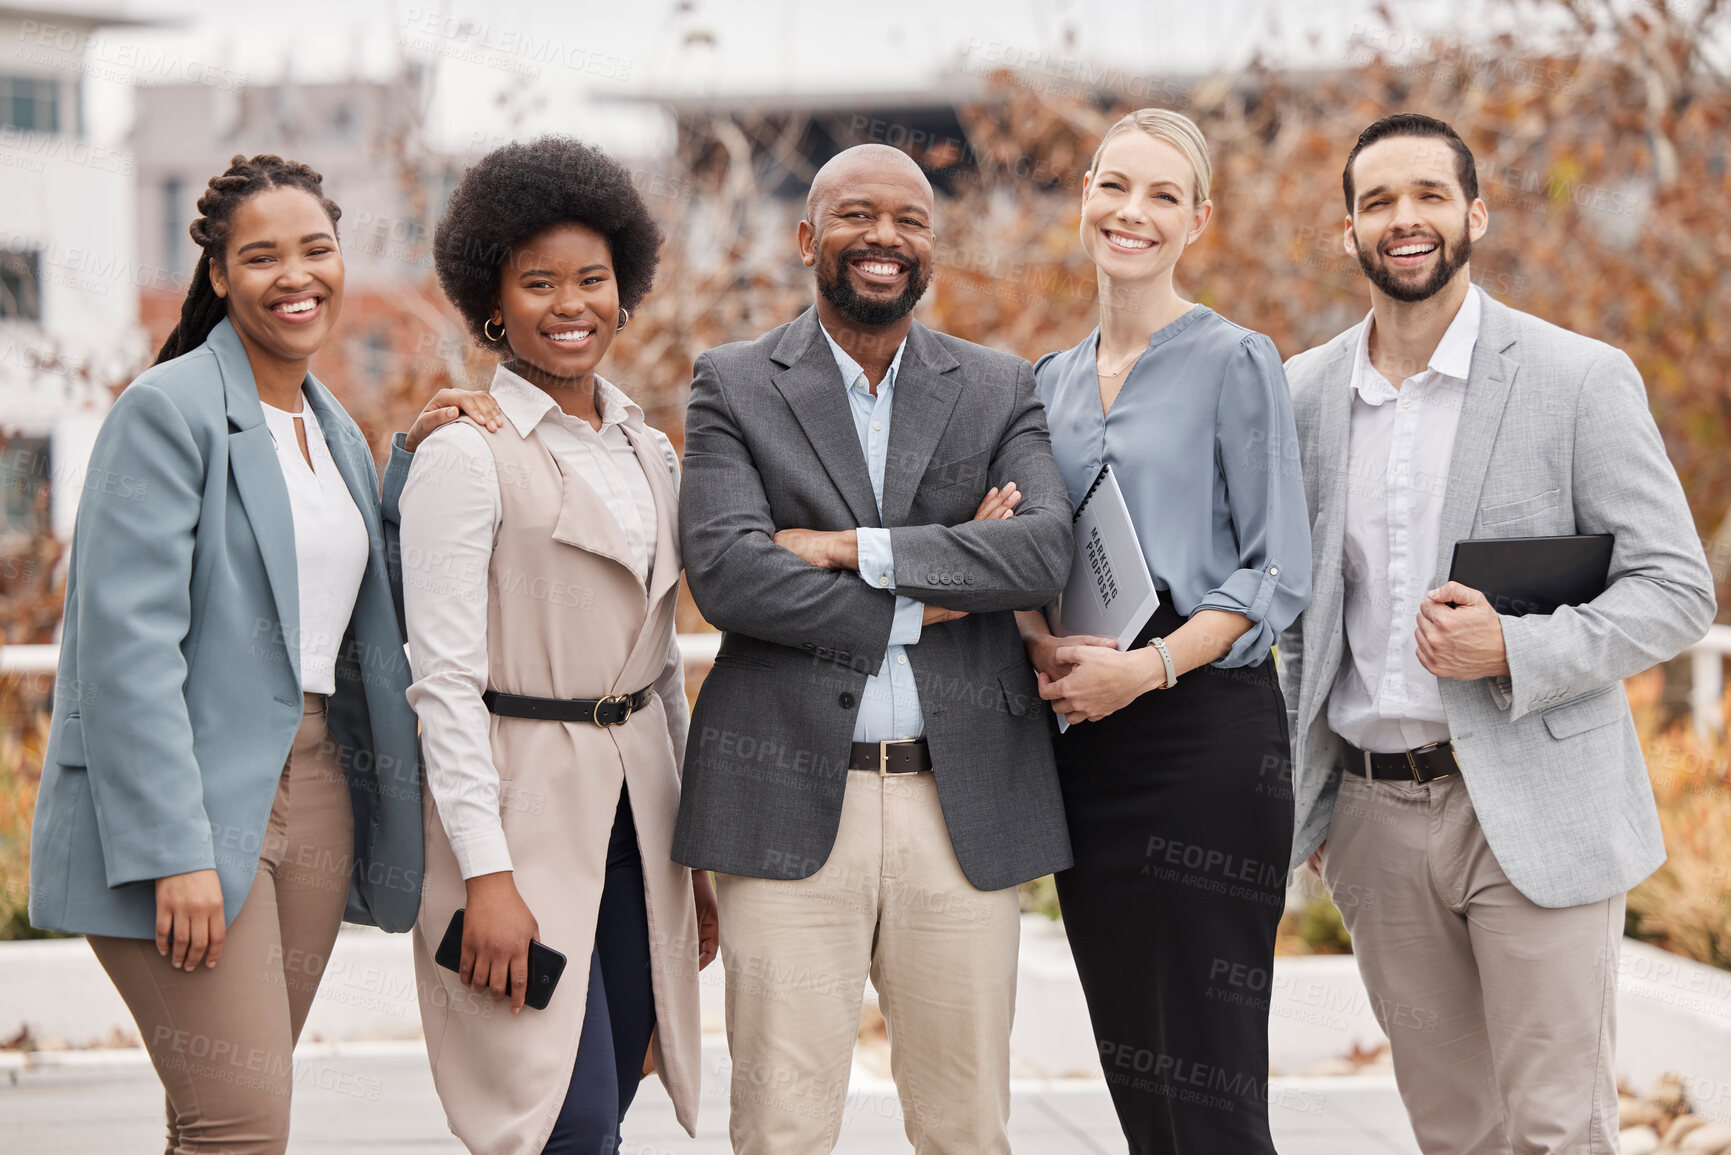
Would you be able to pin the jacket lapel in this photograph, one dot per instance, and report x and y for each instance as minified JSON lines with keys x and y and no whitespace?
{"x":1332,"y":461}
{"x":926,"y":390}
{"x":252,"y":462}
{"x":1488,"y":384}
{"x":353,"y":456}
{"x":649,"y":651}
{"x":664,"y":573}
{"x":584,"y":521}
{"x":815,"y":392}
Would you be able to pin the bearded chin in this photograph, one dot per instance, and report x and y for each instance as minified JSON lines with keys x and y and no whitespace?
{"x":838,"y":290}
{"x":1455,"y":255}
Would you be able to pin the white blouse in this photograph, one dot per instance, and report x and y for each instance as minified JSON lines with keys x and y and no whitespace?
{"x":331,"y":545}
{"x":450,"y":522}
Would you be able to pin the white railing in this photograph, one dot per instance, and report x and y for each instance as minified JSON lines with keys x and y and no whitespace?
{"x":1706,"y":664}
{"x":1707,"y":680}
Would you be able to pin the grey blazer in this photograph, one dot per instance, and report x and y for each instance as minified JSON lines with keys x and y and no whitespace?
{"x":770,"y":444}
{"x":179,"y":689}
{"x":1555,"y":437}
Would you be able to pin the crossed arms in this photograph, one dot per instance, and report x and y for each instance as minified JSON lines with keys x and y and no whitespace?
{"x":746,"y":582}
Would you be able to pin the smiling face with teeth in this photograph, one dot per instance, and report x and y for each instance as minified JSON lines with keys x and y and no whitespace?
{"x":1412,"y":226}
{"x":559,"y":304}
{"x":868,"y":236}
{"x":1139,"y":209}
{"x":281,"y":278}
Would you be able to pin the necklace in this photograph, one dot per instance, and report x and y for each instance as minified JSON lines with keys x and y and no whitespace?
{"x":1134,"y":357}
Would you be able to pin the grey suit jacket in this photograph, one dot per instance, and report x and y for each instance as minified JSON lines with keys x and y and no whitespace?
{"x":770,"y":444}
{"x":1555,"y":438}
{"x":179,"y":690}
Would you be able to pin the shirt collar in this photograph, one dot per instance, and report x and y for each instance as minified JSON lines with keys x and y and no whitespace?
{"x":1453,"y":356}
{"x":850,"y":369}
{"x":527,"y":405}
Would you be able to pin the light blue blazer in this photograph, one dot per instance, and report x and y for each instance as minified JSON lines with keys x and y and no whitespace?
{"x":179,"y":692}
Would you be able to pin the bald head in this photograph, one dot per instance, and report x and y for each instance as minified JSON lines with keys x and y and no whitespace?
{"x":861,"y":165}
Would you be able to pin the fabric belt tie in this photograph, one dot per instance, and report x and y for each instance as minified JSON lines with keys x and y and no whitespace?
{"x":905,"y":756}
{"x":1420,"y":764}
{"x":613,"y":710}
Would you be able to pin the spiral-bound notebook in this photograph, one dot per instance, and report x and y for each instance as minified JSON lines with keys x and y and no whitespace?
{"x":1110,"y":593}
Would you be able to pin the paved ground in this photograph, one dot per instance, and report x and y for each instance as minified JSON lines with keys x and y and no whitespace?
{"x":379,"y":1097}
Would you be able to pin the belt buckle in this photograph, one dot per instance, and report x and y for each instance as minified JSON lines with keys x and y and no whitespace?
{"x":884,"y":754}
{"x":625,"y":699}
{"x":1412,"y":762}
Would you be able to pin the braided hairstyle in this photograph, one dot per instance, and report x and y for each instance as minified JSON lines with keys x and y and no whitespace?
{"x":203,"y":310}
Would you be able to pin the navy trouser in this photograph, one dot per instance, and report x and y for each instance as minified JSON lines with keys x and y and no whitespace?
{"x":620,"y":1012}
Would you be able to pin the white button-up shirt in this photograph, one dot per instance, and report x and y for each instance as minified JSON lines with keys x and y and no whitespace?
{"x":450,"y":521}
{"x":1401,"y":445}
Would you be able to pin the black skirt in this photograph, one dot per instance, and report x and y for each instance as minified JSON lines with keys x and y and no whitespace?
{"x":1180,"y":815}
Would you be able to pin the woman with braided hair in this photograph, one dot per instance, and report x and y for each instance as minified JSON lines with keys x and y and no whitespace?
{"x":232,"y":766}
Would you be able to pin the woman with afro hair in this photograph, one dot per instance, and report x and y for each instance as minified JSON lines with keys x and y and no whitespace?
{"x":540,"y":570}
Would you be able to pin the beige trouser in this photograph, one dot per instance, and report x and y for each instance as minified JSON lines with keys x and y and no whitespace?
{"x":222,"y":1039}
{"x":1501,"y":1013}
{"x":892,"y":901}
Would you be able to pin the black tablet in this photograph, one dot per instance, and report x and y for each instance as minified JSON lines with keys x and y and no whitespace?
{"x":1534,"y":575}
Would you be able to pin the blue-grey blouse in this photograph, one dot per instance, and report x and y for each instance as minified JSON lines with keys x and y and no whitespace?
{"x":1202,"y":442}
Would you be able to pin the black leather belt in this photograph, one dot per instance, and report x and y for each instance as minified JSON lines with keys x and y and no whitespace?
{"x":906,"y":756}
{"x":613,"y":710}
{"x":1420,"y":764}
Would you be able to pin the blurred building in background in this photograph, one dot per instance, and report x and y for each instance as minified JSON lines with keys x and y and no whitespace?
{"x":69,"y":275}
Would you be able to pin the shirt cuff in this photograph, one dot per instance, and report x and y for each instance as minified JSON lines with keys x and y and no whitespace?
{"x":910,"y":616}
{"x":483,"y":853}
{"x":877,"y":561}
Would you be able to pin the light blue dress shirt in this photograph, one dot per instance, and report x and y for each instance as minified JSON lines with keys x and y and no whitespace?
{"x":890,"y":704}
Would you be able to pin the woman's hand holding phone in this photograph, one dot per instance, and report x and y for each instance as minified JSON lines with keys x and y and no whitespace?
{"x":497,"y":927}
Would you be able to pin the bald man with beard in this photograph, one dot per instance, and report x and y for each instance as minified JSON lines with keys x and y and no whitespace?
{"x":870,"y":774}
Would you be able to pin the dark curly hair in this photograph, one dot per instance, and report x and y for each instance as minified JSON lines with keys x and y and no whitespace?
{"x":524,"y":188}
{"x":203,"y":310}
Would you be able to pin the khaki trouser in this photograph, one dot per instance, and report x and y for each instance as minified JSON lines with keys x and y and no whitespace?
{"x":1501,"y":1014}
{"x":891,"y":900}
{"x":222,"y":1039}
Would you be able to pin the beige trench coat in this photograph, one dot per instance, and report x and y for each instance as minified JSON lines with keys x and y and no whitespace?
{"x":567,"y":618}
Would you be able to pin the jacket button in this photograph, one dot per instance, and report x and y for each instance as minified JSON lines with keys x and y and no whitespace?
{"x":847,"y":700}
{"x":931,"y":577}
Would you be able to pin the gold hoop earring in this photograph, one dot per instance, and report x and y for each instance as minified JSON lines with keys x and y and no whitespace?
{"x":488,"y":333}
{"x":624,"y":316}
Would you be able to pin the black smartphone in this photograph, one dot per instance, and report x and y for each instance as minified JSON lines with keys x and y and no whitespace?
{"x":545,"y":963}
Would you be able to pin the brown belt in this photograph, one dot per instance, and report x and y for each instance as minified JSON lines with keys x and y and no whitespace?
{"x":907,"y":756}
{"x":1420,"y":764}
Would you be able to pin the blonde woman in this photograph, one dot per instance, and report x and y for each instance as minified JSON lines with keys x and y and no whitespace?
{"x":1179,"y":813}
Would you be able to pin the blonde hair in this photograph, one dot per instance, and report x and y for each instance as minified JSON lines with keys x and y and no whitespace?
{"x":1175,"y":129}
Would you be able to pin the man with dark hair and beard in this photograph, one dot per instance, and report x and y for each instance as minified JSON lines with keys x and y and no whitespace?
{"x":1468,"y":782}
{"x":870,"y":775}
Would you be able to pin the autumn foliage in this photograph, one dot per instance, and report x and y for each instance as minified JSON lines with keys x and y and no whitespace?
{"x":1605,"y":160}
